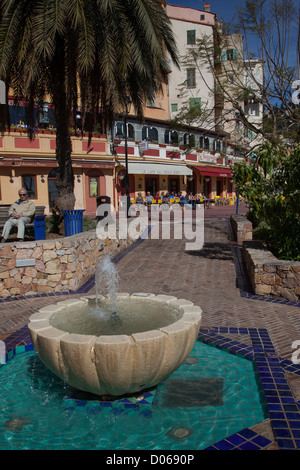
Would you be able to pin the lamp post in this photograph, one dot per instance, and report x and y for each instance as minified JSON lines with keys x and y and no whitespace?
{"x":127,"y":102}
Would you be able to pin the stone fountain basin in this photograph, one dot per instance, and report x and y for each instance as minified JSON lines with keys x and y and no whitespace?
{"x":115,"y":365}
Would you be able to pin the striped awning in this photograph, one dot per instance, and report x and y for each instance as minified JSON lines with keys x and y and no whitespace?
{"x":158,"y":169}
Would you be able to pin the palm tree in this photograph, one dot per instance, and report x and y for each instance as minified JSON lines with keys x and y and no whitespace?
{"x":93,"y":52}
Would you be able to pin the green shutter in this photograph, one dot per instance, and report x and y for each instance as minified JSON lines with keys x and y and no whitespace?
{"x":191,"y":36}
{"x":195,"y":103}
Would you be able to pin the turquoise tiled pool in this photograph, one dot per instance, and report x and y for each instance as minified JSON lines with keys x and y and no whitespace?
{"x":213,"y":395}
{"x":211,"y":402}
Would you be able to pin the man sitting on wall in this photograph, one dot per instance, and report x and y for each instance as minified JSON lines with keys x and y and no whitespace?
{"x":20,"y":213}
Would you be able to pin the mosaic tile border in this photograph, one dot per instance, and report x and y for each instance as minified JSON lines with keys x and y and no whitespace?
{"x":283,"y":410}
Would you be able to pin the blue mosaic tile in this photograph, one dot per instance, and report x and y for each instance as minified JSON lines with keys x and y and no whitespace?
{"x":224,"y":445}
{"x":286,"y":444}
{"x":249,"y":446}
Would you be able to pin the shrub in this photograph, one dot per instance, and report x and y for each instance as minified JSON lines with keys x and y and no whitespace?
{"x":271,"y":186}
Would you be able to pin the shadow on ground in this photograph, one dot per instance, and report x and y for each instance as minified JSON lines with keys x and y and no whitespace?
{"x":219,"y":251}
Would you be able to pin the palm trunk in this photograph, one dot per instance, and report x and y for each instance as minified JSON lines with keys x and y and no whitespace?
{"x":65,"y":176}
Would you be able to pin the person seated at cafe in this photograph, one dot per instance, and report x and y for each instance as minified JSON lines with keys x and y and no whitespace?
{"x":183,"y":199}
{"x":139,"y":199}
{"x":148,"y":198}
{"x":192,"y":199}
{"x":157,"y":196}
{"x":21,"y":212}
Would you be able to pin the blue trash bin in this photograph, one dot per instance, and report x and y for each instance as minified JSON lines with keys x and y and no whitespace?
{"x":39,"y":227}
{"x":73,"y":220}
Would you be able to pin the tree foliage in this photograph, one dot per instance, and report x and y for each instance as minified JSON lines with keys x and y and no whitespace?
{"x":270,"y":184}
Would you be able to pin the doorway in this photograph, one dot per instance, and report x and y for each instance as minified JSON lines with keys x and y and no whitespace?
{"x":52,"y":189}
{"x":151,"y":185}
{"x":173,"y":184}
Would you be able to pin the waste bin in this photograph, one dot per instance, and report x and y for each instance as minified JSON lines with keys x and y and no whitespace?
{"x":73,"y":220}
{"x":100,"y":201}
{"x":39,"y":227}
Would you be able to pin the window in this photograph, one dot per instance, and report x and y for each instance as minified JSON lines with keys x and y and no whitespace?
{"x":130,"y":132}
{"x":248,"y":133}
{"x":151,"y":102}
{"x":191,"y":78}
{"x":206,"y":143}
{"x":150,"y":133}
{"x":29,"y":182}
{"x":229,"y":54}
{"x":171,"y":137}
{"x":119,"y":129}
{"x":252,"y":109}
{"x":174,"y":107}
{"x":191,"y":36}
{"x":202,"y":17}
{"x":218,"y":144}
{"x":195,"y":103}
{"x":44,"y":116}
{"x":189,"y":139}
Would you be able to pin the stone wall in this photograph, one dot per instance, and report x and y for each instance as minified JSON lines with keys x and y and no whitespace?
{"x":50,"y":266}
{"x":241,"y":228}
{"x":269,"y":275}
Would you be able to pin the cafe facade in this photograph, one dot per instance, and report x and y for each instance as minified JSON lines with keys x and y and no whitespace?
{"x":159,"y":159}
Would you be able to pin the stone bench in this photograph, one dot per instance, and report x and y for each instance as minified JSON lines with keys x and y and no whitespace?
{"x":39,"y":210}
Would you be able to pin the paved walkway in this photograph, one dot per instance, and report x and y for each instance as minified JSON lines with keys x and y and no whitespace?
{"x":211,"y":278}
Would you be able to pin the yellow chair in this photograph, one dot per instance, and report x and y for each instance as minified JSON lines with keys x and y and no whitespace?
{"x":171,"y":201}
{"x":159,"y":201}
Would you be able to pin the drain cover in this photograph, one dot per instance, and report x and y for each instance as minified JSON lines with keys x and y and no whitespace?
{"x":192,"y":393}
{"x":180,"y":432}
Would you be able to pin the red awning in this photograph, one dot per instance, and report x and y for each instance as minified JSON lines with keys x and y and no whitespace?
{"x":210,"y":171}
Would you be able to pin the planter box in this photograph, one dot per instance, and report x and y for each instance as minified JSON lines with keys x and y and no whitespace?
{"x":241,"y":227}
{"x":270,"y":276}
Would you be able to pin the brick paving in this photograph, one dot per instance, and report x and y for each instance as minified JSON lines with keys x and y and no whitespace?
{"x":211,"y":278}
{"x":208,"y":277}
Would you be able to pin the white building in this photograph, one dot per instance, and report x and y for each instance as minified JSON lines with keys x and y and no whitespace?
{"x":190,"y":86}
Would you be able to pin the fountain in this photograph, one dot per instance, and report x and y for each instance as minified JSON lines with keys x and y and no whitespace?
{"x":115,"y":344}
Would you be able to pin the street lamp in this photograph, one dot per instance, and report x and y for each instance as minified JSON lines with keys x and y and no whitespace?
{"x":127,"y":102}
